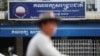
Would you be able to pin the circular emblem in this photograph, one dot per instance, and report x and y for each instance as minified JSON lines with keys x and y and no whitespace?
{"x":20,"y":11}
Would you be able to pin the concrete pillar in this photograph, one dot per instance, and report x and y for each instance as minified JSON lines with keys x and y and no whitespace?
{"x":19,"y":46}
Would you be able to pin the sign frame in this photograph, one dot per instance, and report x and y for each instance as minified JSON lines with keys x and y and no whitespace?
{"x":26,"y":19}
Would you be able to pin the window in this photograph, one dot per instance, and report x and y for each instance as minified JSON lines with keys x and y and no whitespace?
{"x":90,"y":5}
{"x":3,"y":5}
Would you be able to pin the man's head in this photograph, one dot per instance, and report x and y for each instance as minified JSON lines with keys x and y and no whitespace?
{"x":49,"y":27}
{"x":48,"y":23}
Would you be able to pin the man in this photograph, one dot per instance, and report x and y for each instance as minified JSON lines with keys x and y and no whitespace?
{"x":41,"y":44}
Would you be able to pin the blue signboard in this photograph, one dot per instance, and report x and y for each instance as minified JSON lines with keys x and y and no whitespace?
{"x":31,"y":10}
{"x":68,"y":30}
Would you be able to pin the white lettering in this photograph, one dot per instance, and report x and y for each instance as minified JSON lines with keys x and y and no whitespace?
{"x":19,"y":32}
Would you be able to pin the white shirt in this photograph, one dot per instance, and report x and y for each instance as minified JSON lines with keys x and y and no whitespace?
{"x":42,"y":44}
{"x":2,"y":54}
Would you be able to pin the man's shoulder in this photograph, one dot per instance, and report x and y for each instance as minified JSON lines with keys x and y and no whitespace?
{"x":37,"y":36}
{"x":34,"y":40}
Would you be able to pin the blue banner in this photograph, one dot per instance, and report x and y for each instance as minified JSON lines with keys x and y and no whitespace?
{"x":68,"y":30}
{"x":31,"y":10}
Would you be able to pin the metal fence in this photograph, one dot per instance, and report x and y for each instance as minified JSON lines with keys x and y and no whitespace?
{"x":78,"y":47}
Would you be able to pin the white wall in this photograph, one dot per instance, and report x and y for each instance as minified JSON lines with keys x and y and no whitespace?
{"x":1,"y":15}
{"x":97,"y":4}
{"x":90,"y":1}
